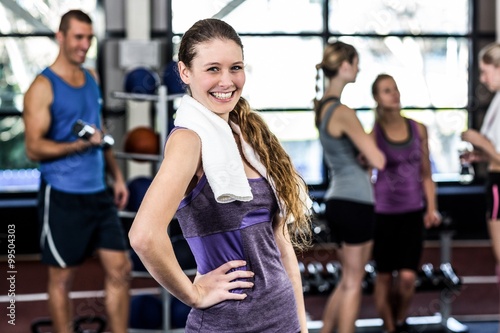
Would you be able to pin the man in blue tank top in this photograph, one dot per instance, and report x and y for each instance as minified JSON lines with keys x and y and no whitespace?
{"x":78,"y":216}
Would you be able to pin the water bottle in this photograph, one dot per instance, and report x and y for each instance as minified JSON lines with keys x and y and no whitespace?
{"x":466,"y":175}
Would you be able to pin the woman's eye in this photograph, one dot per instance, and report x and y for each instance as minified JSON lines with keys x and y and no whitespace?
{"x":213,"y":69}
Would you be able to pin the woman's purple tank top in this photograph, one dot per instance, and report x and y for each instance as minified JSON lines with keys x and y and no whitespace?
{"x":220,"y":232}
{"x":398,"y":188}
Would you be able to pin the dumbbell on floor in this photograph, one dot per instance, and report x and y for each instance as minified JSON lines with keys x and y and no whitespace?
{"x":368,"y":283}
{"x":317,"y":278}
{"x":447,"y":276}
{"x":333,"y":273}
{"x":306,"y":286}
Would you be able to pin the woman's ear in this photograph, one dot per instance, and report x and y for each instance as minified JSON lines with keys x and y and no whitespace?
{"x":183,"y":72}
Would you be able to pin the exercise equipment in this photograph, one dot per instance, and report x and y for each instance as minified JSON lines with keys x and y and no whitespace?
{"x":84,"y":324}
{"x":317,"y":278}
{"x":427,"y":279}
{"x":172,"y":80}
{"x":306,"y":285}
{"x":142,"y":140}
{"x":333,"y":272}
{"x":85,"y":131}
{"x":141,"y":80}
{"x":368,"y":283}
{"x":137,"y":188}
{"x":137,"y":265}
{"x":442,"y":279}
{"x":183,"y":254}
{"x":178,"y":313}
{"x":146,"y":312}
{"x":448,"y":277}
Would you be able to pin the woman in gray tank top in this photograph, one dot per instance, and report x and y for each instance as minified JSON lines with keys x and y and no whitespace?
{"x":348,"y":151}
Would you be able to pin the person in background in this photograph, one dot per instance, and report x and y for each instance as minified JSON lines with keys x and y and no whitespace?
{"x":349,"y":151}
{"x":78,"y":216}
{"x":240,"y":203}
{"x":486,"y":143}
{"x":405,"y":202}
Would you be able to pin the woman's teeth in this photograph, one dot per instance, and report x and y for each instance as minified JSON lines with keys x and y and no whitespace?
{"x":222,"y":95}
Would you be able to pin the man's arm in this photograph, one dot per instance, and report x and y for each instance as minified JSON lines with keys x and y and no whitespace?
{"x":37,"y":119}
{"x":119,"y":186}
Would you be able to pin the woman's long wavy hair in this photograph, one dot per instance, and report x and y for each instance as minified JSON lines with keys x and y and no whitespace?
{"x":287,"y":181}
{"x":334,"y":55}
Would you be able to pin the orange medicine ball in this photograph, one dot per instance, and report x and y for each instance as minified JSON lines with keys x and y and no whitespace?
{"x":142,"y":140}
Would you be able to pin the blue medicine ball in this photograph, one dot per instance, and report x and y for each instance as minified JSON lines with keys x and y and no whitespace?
{"x":172,"y":80}
{"x":137,"y":188}
{"x":178,"y":313}
{"x":141,"y":80}
{"x":146,"y":312}
{"x":137,"y":265}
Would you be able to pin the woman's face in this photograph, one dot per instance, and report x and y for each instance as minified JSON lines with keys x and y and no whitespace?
{"x":489,"y":75}
{"x":216,"y":77}
{"x":350,"y":71}
{"x":388,"y":97}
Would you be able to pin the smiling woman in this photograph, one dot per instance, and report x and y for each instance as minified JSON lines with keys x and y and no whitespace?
{"x":240,"y":203}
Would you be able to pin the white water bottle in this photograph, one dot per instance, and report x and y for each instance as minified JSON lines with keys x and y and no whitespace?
{"x":466,"y":175}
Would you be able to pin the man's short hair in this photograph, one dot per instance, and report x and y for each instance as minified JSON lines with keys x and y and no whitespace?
{"x":73,"y":14}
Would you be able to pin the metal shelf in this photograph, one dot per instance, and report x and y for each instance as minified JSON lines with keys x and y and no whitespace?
{"x":142,"y":157}
{"x":161,"y":108}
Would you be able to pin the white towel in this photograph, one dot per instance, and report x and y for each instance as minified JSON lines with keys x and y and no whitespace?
{"x":222,"y":162}
{"x":220,"y":156}
{"x":491,"y":123}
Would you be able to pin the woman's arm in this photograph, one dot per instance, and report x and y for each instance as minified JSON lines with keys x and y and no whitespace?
{"x":486,"y":147}
{"x":432,"y":216}
{"x":149,"y":237}
{"x":350,"y":125}
{"x":289,"y":260}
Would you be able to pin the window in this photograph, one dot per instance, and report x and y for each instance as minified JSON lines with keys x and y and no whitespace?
{"x":426,"y":45}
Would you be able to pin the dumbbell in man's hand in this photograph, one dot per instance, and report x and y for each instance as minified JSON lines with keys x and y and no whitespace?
{"x":85,"y":131}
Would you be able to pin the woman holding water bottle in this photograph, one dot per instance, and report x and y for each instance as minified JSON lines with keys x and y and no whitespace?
{"x":486,"y":142}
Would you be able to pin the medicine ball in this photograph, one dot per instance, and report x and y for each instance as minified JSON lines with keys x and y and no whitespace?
{"x":178,"y":313}
{"x":172,"y":80}
{"x":141,"y":80}
{"x":137,"y":264}
{"x":146,"y":312}
{"x":137,"y":188}
{"x":142,"y":140}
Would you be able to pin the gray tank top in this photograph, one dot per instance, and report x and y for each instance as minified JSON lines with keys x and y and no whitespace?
{"x":347,"y":178}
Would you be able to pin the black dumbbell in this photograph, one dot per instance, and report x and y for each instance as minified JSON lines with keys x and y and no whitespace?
{"x":448,"y":277}
{"x":306,"y":286}
{"x":97,"y":321}
{"x":85,"y":131}
{"x":333,"y":273}
{"x":100,"y":322}
{"x":428,"y":280}
{"x":317,"y":277}
{"x":368,"y":283}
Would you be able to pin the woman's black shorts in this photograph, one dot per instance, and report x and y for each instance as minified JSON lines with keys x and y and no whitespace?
{"x":398,"y":241}
{"x":350,"y":222}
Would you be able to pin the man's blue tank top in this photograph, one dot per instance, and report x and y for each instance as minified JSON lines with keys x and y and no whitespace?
{"x":81,"y":172}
